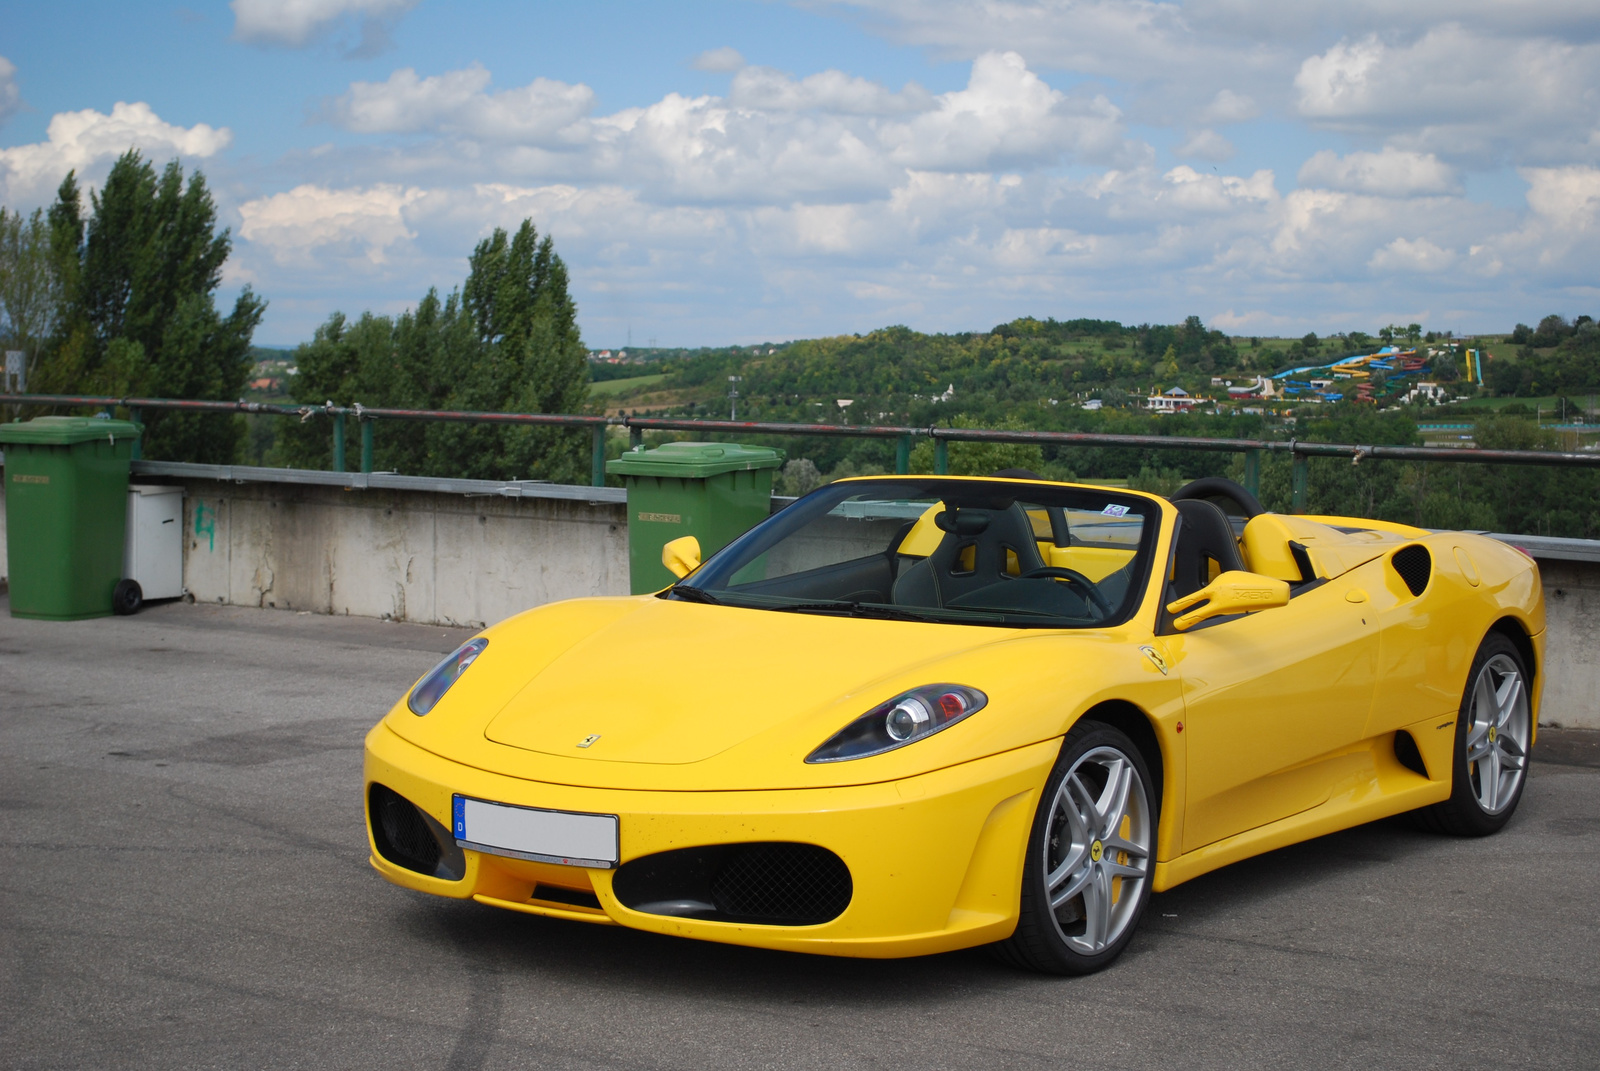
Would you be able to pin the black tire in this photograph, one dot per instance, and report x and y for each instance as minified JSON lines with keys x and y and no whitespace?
{"x":1060,"y":940}
{"x":127,"y":597}
{"x":1473,"y":810}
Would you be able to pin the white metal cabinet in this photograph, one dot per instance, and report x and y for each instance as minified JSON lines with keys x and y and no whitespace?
{"x":152,"y":551}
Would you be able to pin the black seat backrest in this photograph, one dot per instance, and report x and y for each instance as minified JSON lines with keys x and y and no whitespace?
{"x":1204,"y":537}
{"x":989,"y":533}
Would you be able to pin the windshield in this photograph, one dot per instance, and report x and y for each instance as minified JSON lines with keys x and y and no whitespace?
{"x":983,"y":552}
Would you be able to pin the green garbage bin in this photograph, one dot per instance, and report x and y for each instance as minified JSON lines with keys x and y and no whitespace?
{"x":712,"y":491}
{"x":66,"y":508}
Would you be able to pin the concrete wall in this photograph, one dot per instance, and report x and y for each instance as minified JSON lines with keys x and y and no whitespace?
{"x":1572,"y":645}
{"x":404,"y":555}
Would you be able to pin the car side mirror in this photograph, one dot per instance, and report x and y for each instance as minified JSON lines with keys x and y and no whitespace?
{"x":681,"y":556}
{"x":1234,"y":592}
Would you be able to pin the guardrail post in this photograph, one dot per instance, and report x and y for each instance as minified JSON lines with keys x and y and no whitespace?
{"x":941,"y":457}
{"x":1298,"y":503}
{"x":136,"y":453}
{"x":902,"y":455}
{"x":366,"y":444}
{"x":338,"y":442}
{"x":597,"y":456}
{"x":635,"y":438}
{"x":1252,"y":472}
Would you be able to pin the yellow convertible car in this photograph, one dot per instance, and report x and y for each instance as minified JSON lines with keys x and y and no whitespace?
{"x":909,"y":714}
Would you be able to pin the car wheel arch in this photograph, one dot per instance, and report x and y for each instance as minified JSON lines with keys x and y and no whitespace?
{"x":1513,"y":629}
{"x":1136,"y":725}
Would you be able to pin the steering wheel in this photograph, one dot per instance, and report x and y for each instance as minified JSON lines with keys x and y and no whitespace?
{"x":1062,"y":573}
{"x":1209,"y":487}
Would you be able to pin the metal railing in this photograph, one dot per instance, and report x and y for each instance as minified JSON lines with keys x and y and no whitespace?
{"x":1299,"y":450}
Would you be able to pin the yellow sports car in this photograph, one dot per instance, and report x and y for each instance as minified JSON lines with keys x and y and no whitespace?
{"x":909,"y":714}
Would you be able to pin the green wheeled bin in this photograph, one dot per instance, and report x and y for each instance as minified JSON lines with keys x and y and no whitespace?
{"x":66,"y":510}
{"x":712,"y":491}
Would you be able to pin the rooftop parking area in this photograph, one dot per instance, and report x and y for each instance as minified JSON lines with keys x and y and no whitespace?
{"x":184,"y":884}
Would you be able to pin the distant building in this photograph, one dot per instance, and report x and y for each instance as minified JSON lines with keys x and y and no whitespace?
{"x":1424,"y":392}
{"x":1175,"y":400}
{"x":1092,"y":404}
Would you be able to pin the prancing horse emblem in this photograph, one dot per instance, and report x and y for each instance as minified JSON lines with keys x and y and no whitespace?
{"x":586,"y":741}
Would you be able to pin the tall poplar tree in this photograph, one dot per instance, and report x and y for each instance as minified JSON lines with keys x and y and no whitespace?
{"x":138,"y":314}
{"x":507,"y":341}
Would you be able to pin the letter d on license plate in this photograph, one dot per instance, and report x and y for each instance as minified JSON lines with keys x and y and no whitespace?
{"x":564,"y":837}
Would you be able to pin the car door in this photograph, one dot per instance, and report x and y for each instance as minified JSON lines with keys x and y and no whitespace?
{"x":1270,"y":700}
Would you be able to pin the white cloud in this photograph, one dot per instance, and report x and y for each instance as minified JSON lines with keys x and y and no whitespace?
{"x":84,"y":140}
{"x":297,"y":23}
{"x":308,"y":222}
{"x":1457,"y":93}
{"x":1557,"y":240}
{"x":1567,"y":198}
{"x":773,"y":139}
{"x":765,"y":89}
{"x":719,"y":60}
{"x":456,"y":103}
{"x":1230,"y":107}
{"x":1206,"y":145}
{"x":1390,"y":173}
{"x":1415,"y":255}
{"x":1006,"y":116}
{"x":10,"y":95}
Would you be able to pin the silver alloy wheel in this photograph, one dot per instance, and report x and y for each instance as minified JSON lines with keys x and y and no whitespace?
{"x":1097,"y":850}
{"x":1497,"y":734}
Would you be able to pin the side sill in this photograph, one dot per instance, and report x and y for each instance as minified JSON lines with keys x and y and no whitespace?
{"x":1332,"y":816}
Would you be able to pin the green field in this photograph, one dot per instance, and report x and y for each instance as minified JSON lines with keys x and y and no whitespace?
{"x":617,"y":386}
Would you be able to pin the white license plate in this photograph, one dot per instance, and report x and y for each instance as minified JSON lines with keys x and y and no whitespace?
{"x":531,"y":833}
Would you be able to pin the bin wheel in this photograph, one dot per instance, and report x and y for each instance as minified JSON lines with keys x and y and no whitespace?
{"x":127,"y":598}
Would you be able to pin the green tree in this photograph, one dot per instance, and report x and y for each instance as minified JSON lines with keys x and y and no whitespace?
{"x":981,"y":459}
{"x":138,"y":313}
{"x":507,"y":341}
{"x":30,"y":286}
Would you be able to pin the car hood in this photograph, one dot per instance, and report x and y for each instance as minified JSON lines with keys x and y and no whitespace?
{"x":676,"y":683}
{"x":684,"y":696}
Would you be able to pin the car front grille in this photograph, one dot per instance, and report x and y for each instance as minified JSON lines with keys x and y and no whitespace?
{"x":408,"y":837}
{"x":771,"y":883}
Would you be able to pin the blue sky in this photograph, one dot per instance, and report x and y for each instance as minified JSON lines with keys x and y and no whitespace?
{"x":742,"y":171}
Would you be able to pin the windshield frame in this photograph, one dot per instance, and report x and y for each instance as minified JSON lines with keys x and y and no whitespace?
{"x":709,"y":582}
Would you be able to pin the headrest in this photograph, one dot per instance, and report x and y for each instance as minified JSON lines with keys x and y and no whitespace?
{"x":963,"y":522}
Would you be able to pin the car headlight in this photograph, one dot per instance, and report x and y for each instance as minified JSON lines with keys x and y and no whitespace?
{"x":430,"y":689}
{"x":905,"y":719}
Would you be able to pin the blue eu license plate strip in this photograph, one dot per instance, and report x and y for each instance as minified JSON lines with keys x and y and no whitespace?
{"x":569,"y":838}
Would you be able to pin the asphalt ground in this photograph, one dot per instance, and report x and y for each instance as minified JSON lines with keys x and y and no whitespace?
{"x":184,"y":884}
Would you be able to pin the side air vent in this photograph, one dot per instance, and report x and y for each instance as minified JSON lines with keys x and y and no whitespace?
{"x":410,"y":838}
{"x":1415,"y":566}
{"x":779,"y":884}
{"x":1405,"y":749}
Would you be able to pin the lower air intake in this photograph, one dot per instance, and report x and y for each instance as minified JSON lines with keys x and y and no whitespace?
{"x":1415,"y":566}
{"x":408,"y":837}
{"x":775,"y":884}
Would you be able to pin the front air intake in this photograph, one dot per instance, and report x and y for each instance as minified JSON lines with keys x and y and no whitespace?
{"x":408,"y":837}
{"x":772,"y":883}
{"x":1414,"y":565}
{"x":793,"y":884}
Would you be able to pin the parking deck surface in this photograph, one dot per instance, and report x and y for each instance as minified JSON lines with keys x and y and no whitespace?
{"x":184,"y":884}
